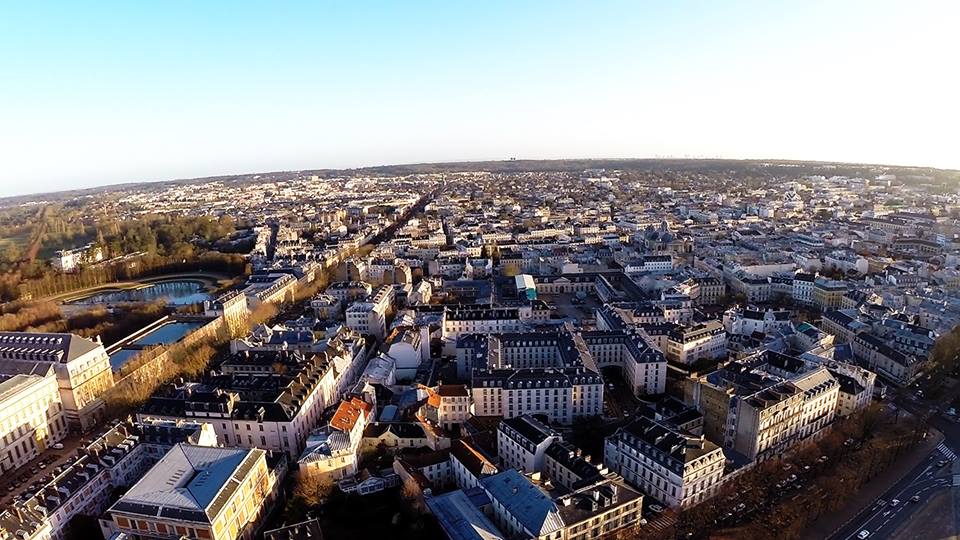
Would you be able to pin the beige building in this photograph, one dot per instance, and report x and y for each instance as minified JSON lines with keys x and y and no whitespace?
{"x":198,"y":492}
{"x":448,"y":405}
{"x":828,"y":294}
{"x":31,"y":416}
{"x":81,"y":365}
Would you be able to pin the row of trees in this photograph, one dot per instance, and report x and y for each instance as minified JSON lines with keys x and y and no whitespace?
{"x":183,"y":360}
{"x":52,"y":283}
{"x":160,"y":236}
{"x":827,"y":485}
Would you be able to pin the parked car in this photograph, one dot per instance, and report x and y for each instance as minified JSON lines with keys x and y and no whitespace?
{"x":656,"y":508}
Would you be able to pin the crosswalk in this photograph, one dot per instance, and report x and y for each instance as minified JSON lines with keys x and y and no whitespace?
{"x":946,"y":451}
{"x":660,"y":523}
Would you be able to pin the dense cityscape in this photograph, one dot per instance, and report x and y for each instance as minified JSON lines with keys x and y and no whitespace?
{"x":553,"y":350}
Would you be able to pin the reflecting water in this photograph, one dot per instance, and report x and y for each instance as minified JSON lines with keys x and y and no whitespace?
{"x":168,"y":333}
{"x":121,"y":357}
{"x":176,"y":293}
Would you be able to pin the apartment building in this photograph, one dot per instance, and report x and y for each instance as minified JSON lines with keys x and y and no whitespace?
{"x":370,"y":316}
{"x":673,"y":466}
{"x":254,"y":402}
{"x":895,"y":366}
{"x":332,"y":452}
{"x":561,"y":394}
{"x":520,"y":509}
{"x":643,"y":365}
{"x":270,"y":288}
{"x":803,"y":288}
{"x":232,"y":306}
{"x":749,"y":320}
{"x":81,"y":366}
{"x":828,"y":293}
{"x":706,"y":340}
{"x":461,"y":321}
{"x":114,"y":459}
{"x":565,"y":465}
{"x":198,"y":492}
{"x":346,"y":292}
{"x":447,"y":406}
{"x":522,"y":443}
{"x":31,"y":416}
{"x":711,"y":290}
{"x":821,"y":394}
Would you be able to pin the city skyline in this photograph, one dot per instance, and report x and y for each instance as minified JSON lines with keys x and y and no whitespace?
{"x":124,"y":93}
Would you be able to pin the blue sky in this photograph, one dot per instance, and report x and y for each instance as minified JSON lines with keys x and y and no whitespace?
{"x":107,"y":92}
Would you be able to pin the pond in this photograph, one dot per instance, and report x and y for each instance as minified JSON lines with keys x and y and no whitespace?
{"x":168,"y":333}
{"x":177,"y":293}
{"x":121,"y":357}
{"x":163,"y":335}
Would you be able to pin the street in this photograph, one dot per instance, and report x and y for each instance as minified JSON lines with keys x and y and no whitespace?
{"x":926,"y":481}
{"x":883,"y":517}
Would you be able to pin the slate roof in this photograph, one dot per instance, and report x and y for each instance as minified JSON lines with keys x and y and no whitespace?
{"x":190,"y":483}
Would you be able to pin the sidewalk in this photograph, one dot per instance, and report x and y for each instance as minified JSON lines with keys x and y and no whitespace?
{"x":868,"y":495}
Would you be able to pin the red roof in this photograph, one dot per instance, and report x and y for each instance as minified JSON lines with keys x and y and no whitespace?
{"x":348,"y":413}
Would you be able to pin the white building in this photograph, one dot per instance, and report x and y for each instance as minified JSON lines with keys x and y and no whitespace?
{"x":522,"y":443}
{"x":706,"y":340}
{"x":293,"y":391}
{"x":332,"y":453}
{"x":370,"y":316}
{"x":561,"y":394}
{"x":674,"y":467}
{"x":31,"y":416}
{"x":81,"y":365}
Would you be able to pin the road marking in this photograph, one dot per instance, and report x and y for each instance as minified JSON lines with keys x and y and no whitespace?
{"x":946,"y":451}
{"x":956,"y":480}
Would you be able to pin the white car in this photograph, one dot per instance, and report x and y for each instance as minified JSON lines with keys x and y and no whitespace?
{"x":863,"y":534}
{"x":57,"y":446}
{"x":895,"y":502}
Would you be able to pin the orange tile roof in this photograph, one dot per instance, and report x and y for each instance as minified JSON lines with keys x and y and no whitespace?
{"x":348,"y":413}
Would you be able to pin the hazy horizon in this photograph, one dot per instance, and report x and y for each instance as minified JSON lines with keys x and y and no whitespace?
{"x":119,"y":93}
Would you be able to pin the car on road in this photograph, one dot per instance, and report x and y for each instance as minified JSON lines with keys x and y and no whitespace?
{"x":915,"y":498}
{"x":57,"y":446}
{"x":656,"y":508}
{"x":942,"y":463}
{"x":863,"y":534}
{"x":895,"y":502}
